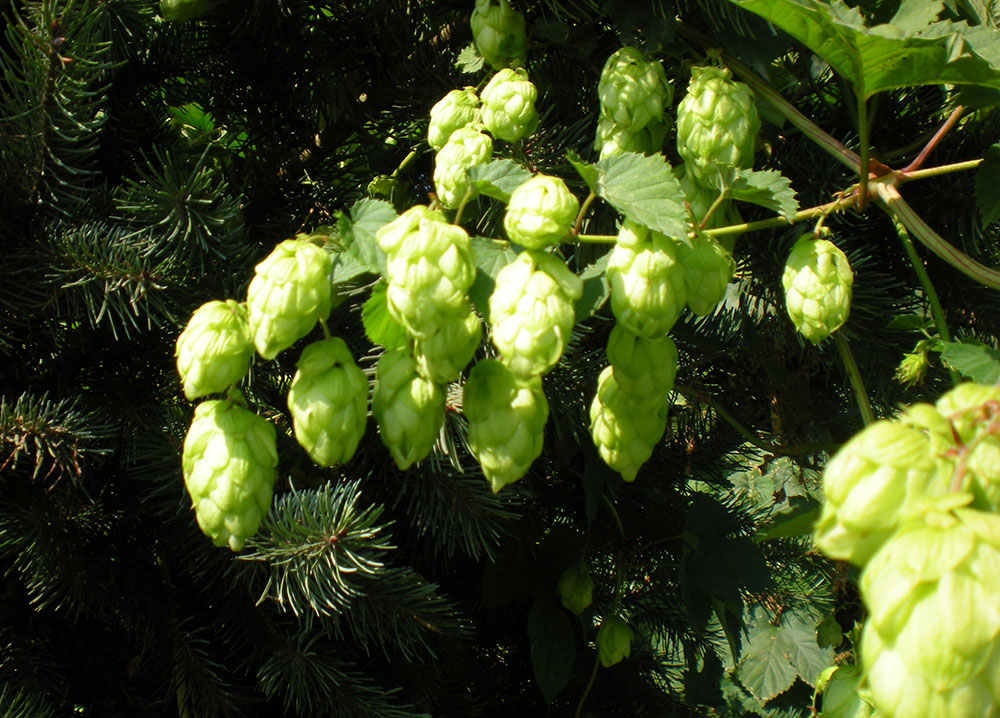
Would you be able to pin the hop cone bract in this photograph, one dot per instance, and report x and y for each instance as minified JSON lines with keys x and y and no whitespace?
{"x":214,"y":350}
{"x":498,"y":31}
{"x":442,"y":356}
{"x":614,"y":139}
{"x":389,"y":237}
{"x":408,"y":408}
{"x":817,"y":282}
{"x":465,"y":148}
{"x":624,"y":430}
{"x":452,"y":112}
{"x":633,"y":90}
{"x":973,"y":411}
{"x":541,"y":211}
{"x":508,"y":110}
{"x":643,"y":368}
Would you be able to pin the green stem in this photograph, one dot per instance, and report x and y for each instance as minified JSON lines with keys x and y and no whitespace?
{"x":904,"y":176}
{"x":614,"y":515}
{"x":855,"y":378}
{"x":583,"y":212}
{"x":469,"y":194}
{"x":933,"y":142}
{"x":405,"y":163}
{"x":325,"y":328}
{"x":863,"y":142}
{"x":715,"y":205}
{"x":728,"y":418}
{"x":590,"y":684}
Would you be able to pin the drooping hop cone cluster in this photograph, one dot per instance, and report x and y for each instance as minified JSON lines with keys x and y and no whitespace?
{"x":508,"y":109}
{"x":643,"y":368}
{"x":648,"y":290}
{"x":633,"y":90}
{"x":466,"y":147}
{"x":289,"y":293}
{"x":408,"y":408}
{"x":229,"y":462}
{"x":498,"y":31}
{"x":625,"y":430}
{"x":931,"y":645}
{"x":507,"y":417}
{"x":452,"y":112}
{"x":576,"y":589}
{"x":614,"y":641}
{"x":442,"y":356}
{"x":541,"y":212}
{"x":532,"y":313}
{"x":817,"y":281}
{"x":717,"y":125}
{"x":328,"y":400}
{"x":214,"y":350}
{"x":708,"y":267}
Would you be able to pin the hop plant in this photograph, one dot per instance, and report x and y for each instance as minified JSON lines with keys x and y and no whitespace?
{"x":643,"y":368}
{"x":614,"y":641}
{"x":408,"y":408}
{"x":708,"y":267}
{"x":442,"y":356}
{"x":624,"y":430}
{"x":576,"y":588}
{"x":648,"y":290}
{"x":613,"y":139}
{"x":229,"y":461}
{"x":466,"y":147}
{"x":817,"y":281}
{"x":328,"y":400}
{"x":532,"y":313}
{"x":541,"y":211}
{"x":507,"y":417}
{"x":213,"y":352}
{"x":717,"y":125}
{"x":452,"y":112}
{"x":508,"y":110}
{"x":498,"y":31}
{"x":633,"y":90}
{"x":389,"y":237}
{"x":289,"y":293}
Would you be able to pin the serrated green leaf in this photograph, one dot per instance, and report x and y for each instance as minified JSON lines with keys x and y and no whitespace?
{"x":380,"y":327}
{"x":767,"y":188}
{"x":988,"y":187}
{"x":644,"y":189}
{"x":976,"y":362}
{"x":491,"y":257}
{"x":798,"y":522}
{"x":498,"y":178}
{"x":357,"y":232}
{"x":553,"y":648}
{"x":469,"y":60}
{"x":588,"y":172}
{"x":909,"y":322}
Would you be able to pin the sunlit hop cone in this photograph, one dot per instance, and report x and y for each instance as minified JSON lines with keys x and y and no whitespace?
{"x":506,"y":418}
{"x":289,"y":293}
{"x":614,"y":139}
{"x":817,"y":282}
{"x":541,"y":211}
{"x":643,"y":368}
{"x":931,"y":645}
{"x":708,"y":267}
{"x":633,"y":90}
{"x":498,"y":31}
{"x":442,"y":356}
{"x":717,"y":125}
{"x":389,"y":237}
{"x":973,"y":414}
{"x":508,"y":109}
{"x":648,"y":291}
{"x":465,"y":148}
{"x":532,"y":313}
{"x":614,"y":641}
{"x":452,"y":112}
{"x":214,"y":350}
{"x":576,"y":588}
{"x":882,"y":476}
{"x":408,"y":408}
{"x":229,"y":465}
{"x":328,"y":401}
{"x":624,"y":430}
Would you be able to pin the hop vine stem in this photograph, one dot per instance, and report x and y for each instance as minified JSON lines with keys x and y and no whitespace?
{"x":854,"y":376}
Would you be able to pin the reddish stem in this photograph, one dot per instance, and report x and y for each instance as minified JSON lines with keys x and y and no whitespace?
{"x":933,"y":141}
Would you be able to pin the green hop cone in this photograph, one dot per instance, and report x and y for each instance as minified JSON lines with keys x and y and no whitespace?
{"x":613,"y":139}
{"x":532,"y":313}
{"x":931,"y":645}
{"x":717,"y":125}
{"x":912,"y":369}
{"x":648,"y":290}
{"x":972,"y":411}
{"x":442,"y":356}
{"x":633,"y":90}
{"x":508,"y":110}
{"x":614,"y":641}
{"x":289,"y":293}
{"x":328,"y":401}
{"x":389,"y":237}
{"x":817,"y":282}
{"x":541,"y":211}
{"x":576,"y":588}
{"x":452,"y":112}
{"x":624,"y":430}
{"x":882,"y":476}
{"x":708,"y":267}
{"x":229,"y":462}
{"x":408,"y":408}
{"x":465,"y":148}
{"x":498,"y":31}
{"x":506,"y":418}
{"x":643,"y":368}
{"x":213,"y":352}
{"x":840,"y":696}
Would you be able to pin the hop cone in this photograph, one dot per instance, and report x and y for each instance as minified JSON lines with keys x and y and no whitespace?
{"x":214,"y":350}
{"x":532,"y":313}
{"x":931,"y":646}
{"x":389,"y":237}
{"x":648,"y":290}
{"x":841,"y":698}
{"x":506,"y":418}
{"x":633,"y":91}
{"x":509,"y":105}
{"x":614,"y":641}
{"x":409,"y":409}
{"x":972,"y":411}
{"x":624,"y":430}
{"x":442,"y":356}
{"x":708,"y":267}
{"x":465,"y":148}
{"x":817,"y":282}
{"x":229,"y":462}
{"x":576,"y":589}
{"x":541,"y":211}
{"x":452,"y":112}
{"x":717,"y":125}
{"x":643,"y":368}
{"x":328,"y":400}
{"x":498,"y":31}
{"x":613,"y":139}
{"x":289,"y":293}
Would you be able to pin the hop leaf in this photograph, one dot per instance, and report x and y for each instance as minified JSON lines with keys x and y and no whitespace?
{"x":614,"y":641}
{"x":465,"y":148}
{"x":643,"y":368}
{"x":408,"y":408}
{"x":452,"y":112}
{"x":817,"y":282}
{"x":624,"y":430}
{"x":442,"y":356}
{"x":541,"y":211}
{"x":576,"y":588}
{"x":498,"y":31}
{"x":508,"y":110}
{"x":229,"y":462}
{"x":634,"y":91}
{"x":328,"y":400}
{"x":708,"y":267}
{"x":214,"y":350}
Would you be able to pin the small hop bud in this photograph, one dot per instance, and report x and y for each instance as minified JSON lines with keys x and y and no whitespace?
{"x":614,"y":641}
{"x":214,"y":350}
{"x":541,"y":211}
{"x":817,"y":281}
{"x":408,"y":408}
{"x":465,"y":148}
{"x":634,"y":91}
{"x":576,"y":588}
{"x":498,"y":31}
{"x":912,"y":369}
{"x":508,"y":110}
{"x":452,"y":112}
